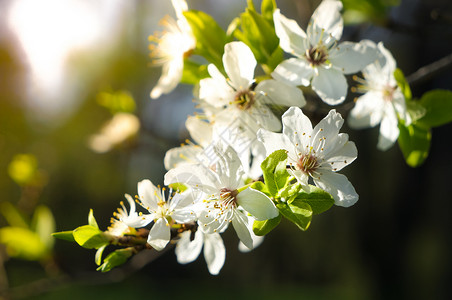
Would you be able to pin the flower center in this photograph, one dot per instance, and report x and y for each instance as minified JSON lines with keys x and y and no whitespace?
{"x":317,"y":55}
{"x":228,"y":197}
{"x":308,"y":164}
{"x":244,"y":99}
{"x":388,"y":93}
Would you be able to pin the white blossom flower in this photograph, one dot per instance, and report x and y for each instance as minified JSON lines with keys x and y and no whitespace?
{"x":383,"y":102}
{"x":122,"y":220}
{"x":163,"y":212}
{"x":238,"y":97}
{"x":320,"y":60}
{"x":188,"y":250}
{"x":205,"y":135}
{"x":316,"y":153}
{"x":223,"y":203}
{"x":170,"y":48}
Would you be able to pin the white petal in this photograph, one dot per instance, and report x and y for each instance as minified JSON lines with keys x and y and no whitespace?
{"x":294,"y":71}
{"x":171,"y":75}
{"x":273,"y":141}
{"x":257,"y":240}
{"x":339,"y":187}
{"x":291,"y":36}
{"x":159,"y":235}
{"x":344,"y":153}
{"x":200,"y":131}
{"x":240,"y":225}
{"x":149,"y":194}
{"x":179,"y":7}
{"x":214,"y":252}
{"x":280,"y":93}
{"x":239,"y":63}
{"x":389,"y":130}
{"x":327,"y":16}
{"x":215,"y":91}
{"x":138,"y":221}
{"x":263,"y":117}
{"x":326,"y":131}
{"x":353,"y":57}
{"x":389,"y":64}
{"x":194,"y":175}
{"x":297,"y":127}
{"x":330,"y":85}
{"x":181,"y":155}
{"x":257,"y":204}
{"x":367,"y":111}
{"x":186,"y":250}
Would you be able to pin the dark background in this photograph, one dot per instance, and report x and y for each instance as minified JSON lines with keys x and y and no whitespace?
{"x":394,"y":243}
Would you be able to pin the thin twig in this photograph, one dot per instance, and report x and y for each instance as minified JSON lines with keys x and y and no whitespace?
{"x":430,"y":70}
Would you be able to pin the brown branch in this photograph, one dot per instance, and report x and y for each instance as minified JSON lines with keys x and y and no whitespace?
{"x":430,"y":70}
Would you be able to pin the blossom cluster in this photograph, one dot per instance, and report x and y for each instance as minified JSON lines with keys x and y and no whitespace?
{"x":246,"y":166}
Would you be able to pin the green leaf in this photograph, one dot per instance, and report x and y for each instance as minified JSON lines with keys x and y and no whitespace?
{"x":98,"y":256}
{"x":91,"y":220}
{"x":90,"y":237}
{"x":64,"y":235}
{"x":23,"y":243}
{"x":438,"y":105}
{"x":210,"y":37}
{"x":403,"y":84}
{"x":415,"y":110}
{"x":318,"y":199}
{"x":43,"y":224}
{"x":262,"y":228}
{"x":193,"y":72}
{"x":12,"y":215}
{"x":115,"y":259}
{"x":267,"y":9}
{"x":259,"y":34}
{"x":260,"y":186}
{"x":289,"y":191}
{"x":299,"y":213}
{"x":274,"y":171}
{"x":414,"y":141}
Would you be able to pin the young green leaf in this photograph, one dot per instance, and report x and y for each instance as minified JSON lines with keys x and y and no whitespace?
{"x":267,"y":9}
{"x":260,"y":186}
{"x":210,"y":37}
{"x":274,"y":171}
{"x":414,"y":141}
{"x":90,"y":237}
{"x":115,"y":259}
{"x":91,"y":220}
{"x":98,"y":256}
{"x":193,"y":72}
{"x":64,"y":235}
{"x":318,"y":199}
{"x":262,"y":228}
{"x":403,"y":84}
{"x":438,"y":105}
{"x":43,"y":224}
{"x":22,"y":243}
{"x":299,"y":213}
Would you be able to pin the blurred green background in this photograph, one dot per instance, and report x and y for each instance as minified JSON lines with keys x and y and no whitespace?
{"x":67,"y":66}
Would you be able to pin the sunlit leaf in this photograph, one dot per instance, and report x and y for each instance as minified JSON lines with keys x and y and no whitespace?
{"x":64,"y":235}
{"x":274,"y":171}
{"x":318,"y":199}
{"x":90,"y":237}
{"x":414,"y":142}
{"x":438,"y":105}
{"x":262,"y":228}
{"x":23,"y":243}
{"x":115,"y":259}
{"x":43,"y":224}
